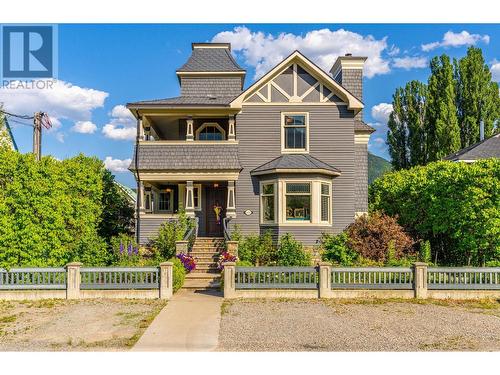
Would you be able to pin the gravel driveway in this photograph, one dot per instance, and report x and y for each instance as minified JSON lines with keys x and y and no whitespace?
{"x":313,"y":325}
{"x":62,"y":325}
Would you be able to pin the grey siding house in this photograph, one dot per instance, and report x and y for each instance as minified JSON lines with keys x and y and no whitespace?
{"x":287,"y":154}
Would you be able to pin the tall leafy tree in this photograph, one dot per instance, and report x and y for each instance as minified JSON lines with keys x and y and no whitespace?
{"x":443,"y":137}
{"x":407,"y":128}
{"x":476,"y":97}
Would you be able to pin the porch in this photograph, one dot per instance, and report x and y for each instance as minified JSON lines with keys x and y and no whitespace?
{"x":209,"y":201}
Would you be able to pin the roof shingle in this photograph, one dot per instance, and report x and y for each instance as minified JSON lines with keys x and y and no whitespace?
{"x":211,"y":60}
{"x":295,"y":162}
{"x":489,"y":148}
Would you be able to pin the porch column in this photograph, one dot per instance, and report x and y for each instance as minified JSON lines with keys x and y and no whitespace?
{"x":231,"y":136}
{"x":140,"y":129}
{"x":189,"y":129}
{"x":230,"y":206}
{"x":141,"y":196}
{"x":189,"y":199}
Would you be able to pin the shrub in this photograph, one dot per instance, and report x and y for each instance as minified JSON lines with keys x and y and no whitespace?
{"x":455,"y":206}
{"x":179,"y":274}
{"x":424,"y":254}
{"x":124,"y":251}
{"x":374,"y":236}
{"x":258,"y":250}
{"x":243,"y":263}
{"x":225,"y":257}
{"x":336,"y":249}
{"x":291,"y":252}
{"x":170,"y":232}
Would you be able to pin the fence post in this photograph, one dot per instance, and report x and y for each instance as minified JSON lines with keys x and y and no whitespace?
{"x":166,"y":280}
{"x":325,"y":279}
{"x":229,"y":272}
{"x":73,"y":280}
{"x":232,"y":247}
{"x":181,"y":247}
{"x":420,"y":279}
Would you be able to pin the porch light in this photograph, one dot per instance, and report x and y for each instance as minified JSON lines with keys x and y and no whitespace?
{"x":216,"y":185}
{"x":168,"y":190}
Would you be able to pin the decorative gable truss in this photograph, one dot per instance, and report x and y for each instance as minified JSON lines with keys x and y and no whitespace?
{"x":295,"y":85}
{"x":297,"y":80}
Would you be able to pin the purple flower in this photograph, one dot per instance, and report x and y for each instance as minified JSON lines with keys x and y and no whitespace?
{"x":121,"y":247}
{"x":136,"y":250}
{"x":129,"y":249}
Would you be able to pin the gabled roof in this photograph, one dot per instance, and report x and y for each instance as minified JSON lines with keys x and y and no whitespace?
{"x":296,"y":163}
{"x":362,"y":127}
{"x":488,"y":148}
{"x":297,"y":57}
{"x":210,"y":57}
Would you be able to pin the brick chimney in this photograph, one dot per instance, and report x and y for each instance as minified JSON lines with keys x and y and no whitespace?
{"x":348,"y":71}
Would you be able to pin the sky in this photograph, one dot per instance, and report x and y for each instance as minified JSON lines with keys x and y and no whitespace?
{"x":103,"y":67}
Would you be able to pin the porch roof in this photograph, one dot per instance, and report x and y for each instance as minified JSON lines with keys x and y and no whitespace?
{"x":187,"y":157}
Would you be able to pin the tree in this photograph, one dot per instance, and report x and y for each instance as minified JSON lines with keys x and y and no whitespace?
{"x":117,"y":213}
{"x":407,"y":126}
{"x":455,"y":206}
{"x":476,"y":97}
{"x":4,"y":133}
{"x":443,"y":136}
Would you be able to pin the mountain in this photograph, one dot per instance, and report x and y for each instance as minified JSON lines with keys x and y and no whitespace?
{"x":377,"y":166}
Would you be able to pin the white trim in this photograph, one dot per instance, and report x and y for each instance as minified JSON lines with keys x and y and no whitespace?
{"x":285,"y":150}
{"x":310,"y":89}
{"x":275,"y":193}
{"x":191,"y":143}
{"x":328,"y":103}
{"x":189,"y":176}
{"x":361,"y":139}
{"x":206,"y":125}
{"x":275,"y":85}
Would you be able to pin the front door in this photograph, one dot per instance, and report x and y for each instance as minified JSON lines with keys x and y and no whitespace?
{"x":215,"y":210}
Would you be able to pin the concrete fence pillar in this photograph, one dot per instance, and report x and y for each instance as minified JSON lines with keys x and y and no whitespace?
{"x":232,"y":247}
{"x":166,"y":280}
{"x":229,"y":273}
{"x":73,"y":280}
{"x":181,"y":247}
{"x":325,"y":280}
{"x":420,"y":280}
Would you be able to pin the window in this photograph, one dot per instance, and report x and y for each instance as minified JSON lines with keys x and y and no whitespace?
{"x":147,"y":201}
{"x":268,"y":203}
{"x":196,"y":197}
{"x":294,"y":133}
{"x":210,"y":131}
{"x":165,"y":200}
{"x":325,"y":202}
{"x":298,"y":201}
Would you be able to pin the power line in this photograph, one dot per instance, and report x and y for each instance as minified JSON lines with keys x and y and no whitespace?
{"x":20,"y":122}
{"x":24,"y":117}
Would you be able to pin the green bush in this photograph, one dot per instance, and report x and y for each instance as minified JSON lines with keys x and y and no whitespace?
{"x":291,"y":252}
{"x":258,"y":250}
{"x":336,"y":249}
{"x":244,"y":263}
{"x":179,"y":274}
{"x":424,"y":254}
{"x":454,"y":206}
{"x":170,"y":232}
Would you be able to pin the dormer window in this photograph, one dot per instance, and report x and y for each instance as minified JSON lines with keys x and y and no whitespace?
{"x":294,"y":132}
{"x":210,"y":131}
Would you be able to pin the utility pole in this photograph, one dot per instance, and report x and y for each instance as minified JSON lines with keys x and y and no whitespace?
{"x":37,"y":135}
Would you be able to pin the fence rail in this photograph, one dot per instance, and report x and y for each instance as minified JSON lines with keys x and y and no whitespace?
{"x":480,"y":278}
{"x":372,"y":278}
{"x":32,"y":278}
{"x":120,"y":278}
{"x":276,"y":278}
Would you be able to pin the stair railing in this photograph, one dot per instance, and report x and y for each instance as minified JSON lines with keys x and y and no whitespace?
{"x":192,"y":233}
{"x":227,"y":233}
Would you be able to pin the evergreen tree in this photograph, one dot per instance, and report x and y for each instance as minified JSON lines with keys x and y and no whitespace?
{"x":443,"y":137}
{"x":407,"y":133}
{"x":476,"y":97}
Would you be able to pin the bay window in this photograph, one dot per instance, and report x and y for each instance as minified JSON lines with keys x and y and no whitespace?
{"x":298,"y":201}
{"x":268,"y":202}
{"x":325,"y":202}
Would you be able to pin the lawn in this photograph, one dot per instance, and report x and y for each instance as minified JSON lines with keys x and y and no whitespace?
{"x":85,"y":325}
{"x":359,"y":325}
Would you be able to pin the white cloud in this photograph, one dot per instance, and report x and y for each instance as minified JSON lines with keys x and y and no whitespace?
{"x":84,"y":127}
{"x":122,"y":125}
{"x":451,"y":39}
{"x":264,"y":51}
{"x":60,"y":137}
{"x":381,"y":112}
{"x":495,"y":71}
{"x":409,"y":62}
{"x":393,"y":50}
{"x":117,"y":165}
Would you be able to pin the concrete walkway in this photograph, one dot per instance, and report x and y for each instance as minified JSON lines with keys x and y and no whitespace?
{"x":189,"y":322}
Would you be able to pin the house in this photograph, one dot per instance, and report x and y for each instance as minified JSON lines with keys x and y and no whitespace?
{"x":286,"y":154}
{"x":486,"y":148}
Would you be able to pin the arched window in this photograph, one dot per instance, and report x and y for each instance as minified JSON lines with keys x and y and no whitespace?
{"x":210,"y":131}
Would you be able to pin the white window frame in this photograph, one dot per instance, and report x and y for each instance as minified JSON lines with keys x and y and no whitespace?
{"x":148,"y":194}
{"x":207,"y":124}
{"x":171,"y":208}
{"x":182,"y":196}
{"x":315,"y":202}
{"x":321,"y":195}
{"x":285,"y":150}
{"x":310,"y":195}
{"x":261,"y":195}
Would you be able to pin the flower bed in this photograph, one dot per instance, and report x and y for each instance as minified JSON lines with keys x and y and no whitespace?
{"x":225,"y":257}
{"x":188,"y":261}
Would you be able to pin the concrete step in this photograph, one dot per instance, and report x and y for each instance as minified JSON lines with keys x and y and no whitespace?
{"x":201,"y":284}
{"x":203,"y":276}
